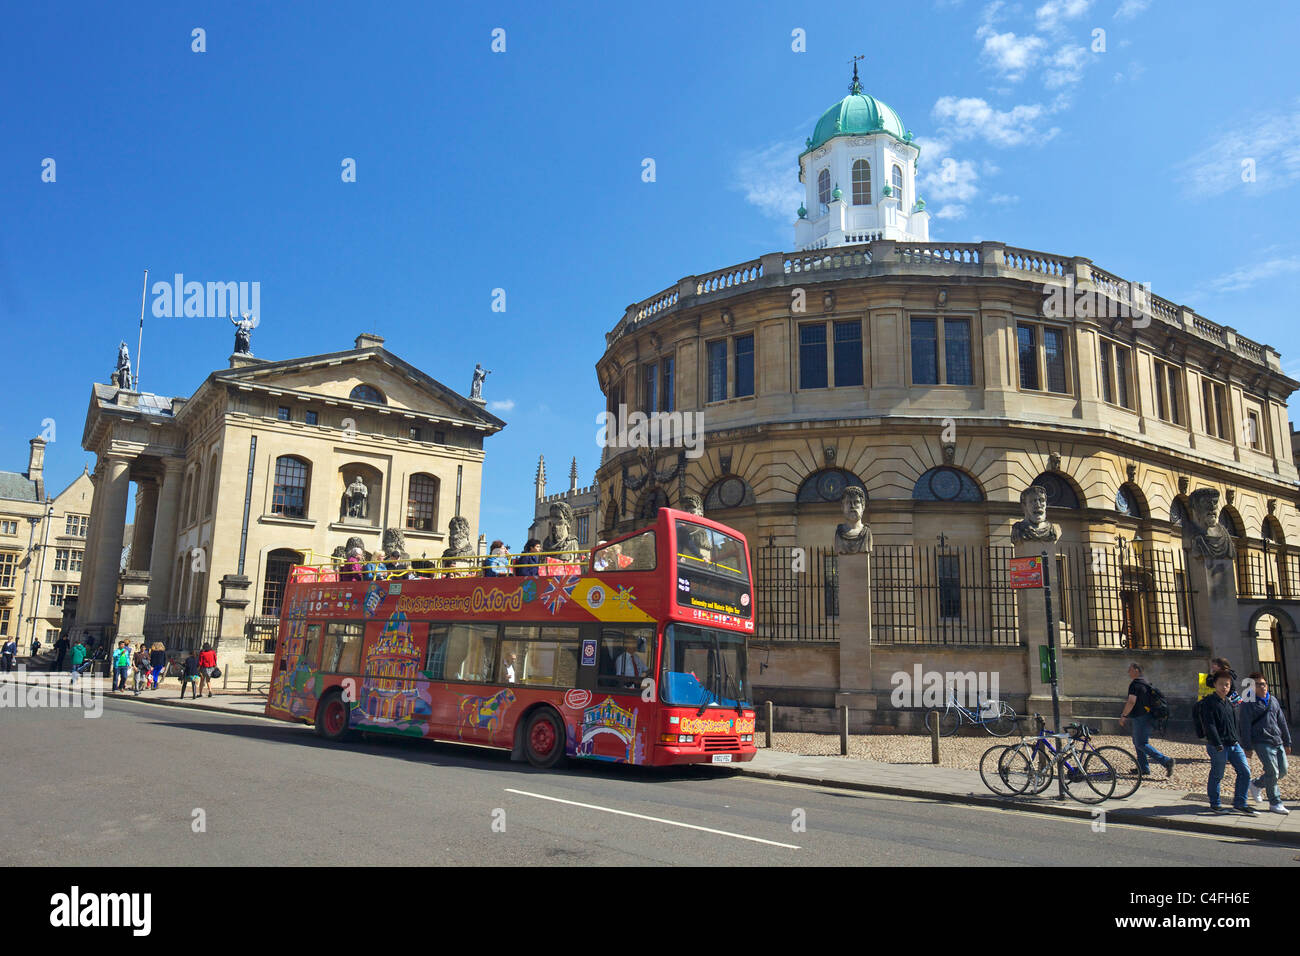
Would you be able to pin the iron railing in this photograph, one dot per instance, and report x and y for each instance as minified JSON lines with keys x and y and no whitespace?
{"x":942,"y":595}
{"x":798,"y":596}
{"x":1268,"y":573}
{"x":261,"y":634}
{"x":1138,"y":599}
{"x":183,"y":633}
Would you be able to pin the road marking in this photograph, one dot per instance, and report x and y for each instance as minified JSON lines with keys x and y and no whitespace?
{"x":642,"y":816}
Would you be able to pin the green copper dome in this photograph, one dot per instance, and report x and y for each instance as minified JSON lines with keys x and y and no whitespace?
{"x":857,"y":114}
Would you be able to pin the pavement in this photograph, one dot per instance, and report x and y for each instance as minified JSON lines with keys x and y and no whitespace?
{"x":1148,"y":807}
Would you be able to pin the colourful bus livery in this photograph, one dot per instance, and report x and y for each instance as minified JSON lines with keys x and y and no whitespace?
{"x":636,"y":654}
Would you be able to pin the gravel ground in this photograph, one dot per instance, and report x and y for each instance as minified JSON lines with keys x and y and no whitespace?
{"x":964,"y":751}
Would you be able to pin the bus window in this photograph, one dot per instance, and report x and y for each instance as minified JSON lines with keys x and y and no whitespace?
{"x":470,"y":652}
{"x":342,"y":647}
{"x":540,"y":655}
{"x":433,"y":667}
{"x":632,"y":554}
{"x":626,"y":655}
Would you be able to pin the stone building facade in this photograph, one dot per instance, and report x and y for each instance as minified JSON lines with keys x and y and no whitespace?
{"x":944,"y":379}
{"x":42,"y":547}
{"x":267,"y":464}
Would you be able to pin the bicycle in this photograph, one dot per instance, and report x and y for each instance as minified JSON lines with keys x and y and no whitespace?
{"x":1128,"y":777}
{"x":993,"y":771}
{"x":954,"y":715}
{"x":1074,"y":761}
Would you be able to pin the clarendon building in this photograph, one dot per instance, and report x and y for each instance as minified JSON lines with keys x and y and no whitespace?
{"x":266,"y":465}
{"x":944,"y":379}
{"x":42,"y":546}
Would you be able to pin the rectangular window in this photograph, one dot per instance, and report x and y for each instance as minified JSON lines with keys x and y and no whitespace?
{"x":1054,"y":358}
{"x":440,"y":438}
{"x":1212,"y":393}
{"x":310,"y":418}
{"x":282,"y":413}
{"x":666,"y":391}
{"x":1027,"y":346}
{"x":949,"y":578}
{"x":650,"y":389}
{"x":744,"y":365}
{"x":812,"y":356}
{"x":1254,"y":435}
{"x":830,"y":585}
{"x":464,"y":651}
{"x":717,"y":371}
{"x":8,"y":560}
{"x":8,"y":527}
{"x":68,"y":559}
{"x":415,"y":434}
{"x":76,"y":525}
{"x":57,"y":594}
{"x":627,"y":654}
{"x":583,"y":523}
{"x":4,"y":621}
{"x":342,"y":653}
{"x":540,"y":655}
{"x":1122,"y":376}
{"x":925,"y":352}
{"x":1107,"y":375}
{"x":958,"y":369}
{"x":1115,"y":381}
{"x":1168,"y":386}
{"x":1162,"y":404}
{"x":848,"y":354}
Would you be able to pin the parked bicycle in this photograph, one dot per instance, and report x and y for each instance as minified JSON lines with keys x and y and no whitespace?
{"x":995,"y":716}
{"x":1086,"y":774}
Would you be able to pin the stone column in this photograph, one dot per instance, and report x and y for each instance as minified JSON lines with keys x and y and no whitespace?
{"x":131,"y":606}
{"x":107,"y":556}
{"x":1213,"y":582}
{"x":162,"y":560}
{"x":1031,"y":616}
{"x":854,"y":626}
{"x":232,"y":638}
{"x":146,"y":509}
{"x":87,"y":590}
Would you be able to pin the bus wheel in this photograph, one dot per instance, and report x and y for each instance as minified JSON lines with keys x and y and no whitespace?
{"x":544,"y":739}
{"x":332,"y":718}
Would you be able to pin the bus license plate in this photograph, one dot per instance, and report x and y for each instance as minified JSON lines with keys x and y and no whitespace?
{"x":722,"y":758}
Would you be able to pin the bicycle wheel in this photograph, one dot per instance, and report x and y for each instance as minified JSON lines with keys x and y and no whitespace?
{"x":949,"y":721}
{"x":1004,"y":722}
{"x":991,"y":770}
{"x":1016,"y":769}
{"x":1127,"y":776}
{"x":1090,"y":782}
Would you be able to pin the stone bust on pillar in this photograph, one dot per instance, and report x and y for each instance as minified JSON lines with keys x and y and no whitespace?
{"x":1202,"y":533}
{"x":458,"y":535}
{"x":853,"y":536}
{"x":1034,"y":526}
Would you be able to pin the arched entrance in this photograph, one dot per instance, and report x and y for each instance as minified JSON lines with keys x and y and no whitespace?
{"x":1270,"y":628}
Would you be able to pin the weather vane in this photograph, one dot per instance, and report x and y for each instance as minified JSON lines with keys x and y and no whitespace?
{"x":856,"y":86}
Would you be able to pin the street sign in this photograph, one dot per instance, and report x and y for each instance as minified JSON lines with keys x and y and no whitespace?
{"x":1026,"y":572}
{"x":1046,"y":658}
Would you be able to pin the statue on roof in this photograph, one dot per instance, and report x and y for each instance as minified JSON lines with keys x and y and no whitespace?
{"x":123,"y":371}
{"x":243,"y":333}
{"x":476,"y":387}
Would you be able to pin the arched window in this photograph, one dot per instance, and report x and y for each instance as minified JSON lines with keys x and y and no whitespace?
{"x":367,"y":393}
{"x":898,"y":182}
{"x":1231,"y":521}
{"x":210,"y":499}
{"x":187,"y":499}
{"x":196,"y":492}
{"x":1129,"y":501}
{"x":946,"y":484}
{"x":828,"y":485}
{"x":278,"y":563}
{"x":861,"y":183}
{"x":422,"y":503}
{"x":289,"y":497}
{"x":824,"y":187}
{"x":1059,"y":492}
{"x":728,"y":492}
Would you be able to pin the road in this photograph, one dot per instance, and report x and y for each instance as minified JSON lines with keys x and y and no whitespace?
{"x":146,"y":784}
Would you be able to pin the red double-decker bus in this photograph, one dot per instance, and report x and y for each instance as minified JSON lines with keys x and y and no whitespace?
{"x":635,"y":652}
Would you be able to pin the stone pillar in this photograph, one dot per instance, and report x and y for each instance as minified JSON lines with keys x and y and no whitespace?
{"x":162,"y":560}
{"x":87,"y":590}
{"x":107,"y":557}
{"x":853,"y":572}
{"x":1214,"y":596}
{"x":1031,"y":617}
{"x":146,"y":509}
{"x":233,"y":614}
{"x":131,"y":603}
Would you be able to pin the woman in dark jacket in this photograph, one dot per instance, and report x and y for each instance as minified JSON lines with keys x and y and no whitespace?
{"x":157,"y":661}
{"x":190,"y":675}
{"x":527,"y":562}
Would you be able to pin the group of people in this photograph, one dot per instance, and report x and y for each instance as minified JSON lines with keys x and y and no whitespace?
{"x":358,"y":565}
{"x":1233,"y":725}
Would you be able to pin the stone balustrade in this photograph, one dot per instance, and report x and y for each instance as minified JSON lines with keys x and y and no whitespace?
{"x":883,"y":257}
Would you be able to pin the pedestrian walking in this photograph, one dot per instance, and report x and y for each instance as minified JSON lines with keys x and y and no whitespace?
{"x":36,"y":647}
{"x":8,"y":653}
{"x":61,"y":646}
{"x":1263,"y":728}
{"x":78,"y":660}
{"x":121,"y":665}
{"x":207,"y":664}
{"x":140,"y":673}
{"x":1137,"y":713}
{"x":1216,"y":721}
{"x":157,"y":663}
{"x":190,"y":675}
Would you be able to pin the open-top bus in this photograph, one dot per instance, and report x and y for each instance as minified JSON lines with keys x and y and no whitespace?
{"x":634,"y":652}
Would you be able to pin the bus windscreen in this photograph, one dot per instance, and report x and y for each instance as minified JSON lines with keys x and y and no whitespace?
{"x":712,"y":571}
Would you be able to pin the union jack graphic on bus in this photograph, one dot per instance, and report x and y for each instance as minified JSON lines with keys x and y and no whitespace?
{"x":558,"y":590}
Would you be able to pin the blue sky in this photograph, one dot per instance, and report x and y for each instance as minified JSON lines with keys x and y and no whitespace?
{"x":522,"y":171}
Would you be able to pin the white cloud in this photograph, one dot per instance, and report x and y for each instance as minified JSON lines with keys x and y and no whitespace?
{"x":1003,"y":199}
{"x":1011,"y":55}
{"x":1247,"y":276}
{"x":503,"y":406}
{"x":1051,"y":16}
{"x":1270,"y":142}
{"x":770,"y":181}
{"x":1066,"y":66}
{"x":946,"y":182}
{"x":951,"y":212}
{"x":969,"y":117}
{"x":1131,"y":8}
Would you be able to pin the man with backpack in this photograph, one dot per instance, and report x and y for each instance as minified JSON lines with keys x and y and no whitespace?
{"x":1263,"y":728}
{"x":1216,"y":721}
{"x":1144,"y":707}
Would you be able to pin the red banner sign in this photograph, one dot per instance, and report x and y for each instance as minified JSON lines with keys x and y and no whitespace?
{"x":1027,"y":572}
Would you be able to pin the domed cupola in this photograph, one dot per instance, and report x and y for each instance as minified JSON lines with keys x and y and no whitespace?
{"x":860,"y":141}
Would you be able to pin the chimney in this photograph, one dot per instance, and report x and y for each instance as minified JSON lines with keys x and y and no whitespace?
{"x":368,"y":340}
{"x":36,"y":466}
